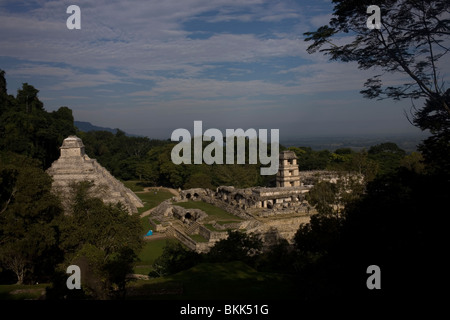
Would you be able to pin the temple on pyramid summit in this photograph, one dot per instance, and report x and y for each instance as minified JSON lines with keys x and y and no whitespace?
{"x":74,"y":166}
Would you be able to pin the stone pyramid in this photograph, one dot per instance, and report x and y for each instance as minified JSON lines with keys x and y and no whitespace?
{"x":75,"y":166}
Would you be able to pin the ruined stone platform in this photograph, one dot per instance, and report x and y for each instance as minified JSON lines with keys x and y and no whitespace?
{"x":74,"y":166}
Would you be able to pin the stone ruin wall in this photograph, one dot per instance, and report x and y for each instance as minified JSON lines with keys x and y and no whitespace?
{"x":280,"y":224}
{"x":245,"y":203}
{"x":310,"y":178}
{"x":172,"y":220}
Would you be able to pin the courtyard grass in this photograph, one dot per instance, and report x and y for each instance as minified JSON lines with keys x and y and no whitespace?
{"x":212,"y":211}
{"x":134,"y":185}
{"x":207,"y":281}
{"x":22,"y":292}
{"x":152,"y":250}
{"x":153,"y":198}
{"x":149,"y":253}
{"x":145,"y":225}
{"x":198,"y":238}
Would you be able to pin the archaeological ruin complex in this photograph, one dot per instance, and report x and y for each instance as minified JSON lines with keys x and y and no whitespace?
{"x":273,"y":213}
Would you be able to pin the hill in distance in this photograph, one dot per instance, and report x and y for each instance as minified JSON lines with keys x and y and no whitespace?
{"x":87,"y":126}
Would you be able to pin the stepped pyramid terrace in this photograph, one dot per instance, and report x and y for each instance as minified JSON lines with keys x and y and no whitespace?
{"x":74,"y":166}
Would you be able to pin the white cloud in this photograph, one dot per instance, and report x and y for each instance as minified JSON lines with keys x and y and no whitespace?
{"x":143,"y":49}
{"x":320,"y":20}
{"x":136,"y":37}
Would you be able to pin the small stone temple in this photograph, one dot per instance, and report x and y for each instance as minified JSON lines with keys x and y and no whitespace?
{"x":74,"y":166}
{"x":288,"y":174}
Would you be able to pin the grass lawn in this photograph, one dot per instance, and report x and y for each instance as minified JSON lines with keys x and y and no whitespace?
{"x":151,"y":250}
{"x":212,"y":211}
{"x":153,"y":198}
{"x":146,"y":224}
{"x":211,"y":227}
{"x":133,"y":185}
{"x":225,"y":222}
{"x":22,"y":292}
{"x":198,"y":238}
{"x":211,"y":281}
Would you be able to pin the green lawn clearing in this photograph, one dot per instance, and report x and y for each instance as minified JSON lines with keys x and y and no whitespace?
{"x":198,"y":238}
{"x":212,"y":211}
{"x":22,"y":292}
{"x":153,"y":198}
{"x":151,"y":250}
{"x":212,"y":281}
{"x":146,"y":224}
{"x":134,"y":185}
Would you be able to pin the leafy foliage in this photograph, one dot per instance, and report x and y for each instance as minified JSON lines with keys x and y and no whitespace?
{"x":411,"y":41}
{"x":140,"y":158}
{"x":395,"y":222}
{"x":26,"y":128}
{"x":104,"y":239}
{"x":332,"y":197}
{"x":436,"y":148}
{"x":175,"y":258}
{"x":388,"y":156}
{"x":238,"y":246}
{"x":28,"y":215}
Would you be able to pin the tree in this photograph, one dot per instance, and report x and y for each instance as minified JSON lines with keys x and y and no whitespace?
{"x":2,"y":82}
{"x":361,"y":164}
{"x":319,"y":236}
{"x":27,"y":97}
{"x":104,"y":239}
{"x":239,"y":246}
{"x":388,"y":156}
{"x":198,"y":180}
{"x":331,"y":198}
{"x":411,"y":41}
{"x":413,"y":162}
{"x":323,"y":196}
{"x":398,"y":222}
{"x":308,"y":159}
{"x":175,"y":258}
{"x":26,"y":128}
{"x":278,"y":258}
{"x":436,"y":148}
{"x":4,"y":98}
{"x":28,"y":219}
{"x":147,"y":172}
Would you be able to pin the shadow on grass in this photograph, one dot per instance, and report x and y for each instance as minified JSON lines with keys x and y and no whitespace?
{"x":214,"y":281}
{"x":22,"y":292}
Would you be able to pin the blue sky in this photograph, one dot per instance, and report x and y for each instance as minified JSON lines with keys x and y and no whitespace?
{"x":150,"y":67}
